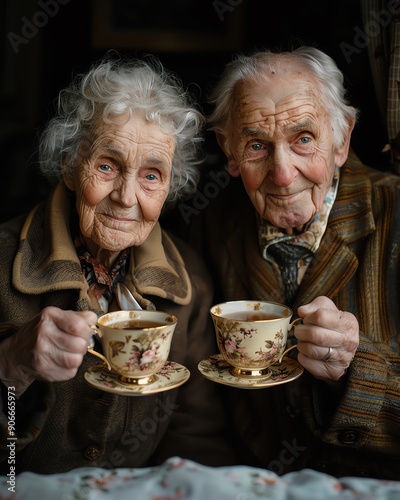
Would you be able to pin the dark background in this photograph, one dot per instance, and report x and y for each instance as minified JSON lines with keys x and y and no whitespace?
{"x":45,"y":42}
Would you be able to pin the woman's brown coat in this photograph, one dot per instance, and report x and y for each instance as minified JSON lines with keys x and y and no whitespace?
{"x":65,"y":425}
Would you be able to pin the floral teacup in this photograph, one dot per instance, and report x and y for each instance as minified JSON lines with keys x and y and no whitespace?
{"x":252,"y":335}
{"x":136,"y":344}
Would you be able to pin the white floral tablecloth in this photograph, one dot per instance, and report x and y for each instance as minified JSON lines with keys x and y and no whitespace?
{"x":178,"y":479}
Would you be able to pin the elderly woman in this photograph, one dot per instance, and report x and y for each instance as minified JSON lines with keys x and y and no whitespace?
{"x":124,"y":143}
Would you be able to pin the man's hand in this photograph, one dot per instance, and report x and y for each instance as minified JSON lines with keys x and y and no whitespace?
{"x":328,"y":339}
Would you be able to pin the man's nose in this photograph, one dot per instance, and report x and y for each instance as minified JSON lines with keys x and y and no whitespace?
{"x":281,"y":169}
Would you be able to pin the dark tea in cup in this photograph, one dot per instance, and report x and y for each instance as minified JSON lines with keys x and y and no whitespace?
{"x":134,"y":324}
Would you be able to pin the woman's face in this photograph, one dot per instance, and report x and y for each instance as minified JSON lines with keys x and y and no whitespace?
{"x":121,"y":181}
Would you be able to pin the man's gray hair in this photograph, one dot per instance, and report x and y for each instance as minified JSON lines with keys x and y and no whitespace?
{"x":256,"y":67}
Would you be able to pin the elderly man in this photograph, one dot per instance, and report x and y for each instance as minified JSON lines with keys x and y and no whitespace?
{"x":319,"y":231}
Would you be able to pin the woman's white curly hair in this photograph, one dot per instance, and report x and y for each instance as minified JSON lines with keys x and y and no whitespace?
{"x":115,"y":87}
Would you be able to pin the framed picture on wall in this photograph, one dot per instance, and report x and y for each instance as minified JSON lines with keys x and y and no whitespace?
{"x":166,"y":26}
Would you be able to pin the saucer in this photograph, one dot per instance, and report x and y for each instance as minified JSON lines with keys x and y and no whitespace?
{"x":170,"y":376}
{"x":215,"y":368}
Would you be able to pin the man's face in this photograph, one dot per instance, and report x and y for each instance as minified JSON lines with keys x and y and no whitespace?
{"x":280,"y":141}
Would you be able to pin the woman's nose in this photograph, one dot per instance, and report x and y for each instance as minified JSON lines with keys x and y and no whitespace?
{"x":125,"y":192}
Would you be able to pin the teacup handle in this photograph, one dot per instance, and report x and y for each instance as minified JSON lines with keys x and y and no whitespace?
{"x":291,"y":325}
{"x":95,"y":353}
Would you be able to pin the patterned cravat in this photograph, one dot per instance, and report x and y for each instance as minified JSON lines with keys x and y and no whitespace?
{"x":288,"y":256}
{"x":293,"y":252}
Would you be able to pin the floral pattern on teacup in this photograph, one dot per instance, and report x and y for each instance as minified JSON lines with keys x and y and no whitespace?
{"x":168,"y":372}
{"x":143,"y":352}
{"x":221,"y":369}
{"x":230,"y":336}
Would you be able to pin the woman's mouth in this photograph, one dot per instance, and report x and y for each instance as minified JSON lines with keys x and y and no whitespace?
{"x":116,"y":218}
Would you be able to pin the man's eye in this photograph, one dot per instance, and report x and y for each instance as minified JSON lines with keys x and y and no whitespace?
{"x":305,"y":140}
{"x":256,"y":147}
{"x":105,"y":168}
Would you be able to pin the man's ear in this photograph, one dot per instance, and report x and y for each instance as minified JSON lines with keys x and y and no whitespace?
{"x":233,"y":167}
{"x":343,"y":150}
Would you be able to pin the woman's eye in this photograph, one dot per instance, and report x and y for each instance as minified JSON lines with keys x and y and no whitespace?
{"x":305,"y":140}
{"x":105,"y":168}
{"x":151,"y":177}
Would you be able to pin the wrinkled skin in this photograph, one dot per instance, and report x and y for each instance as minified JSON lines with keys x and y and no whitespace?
{"x":50,"y":347}
{"x":121,"y":183}
{"x":325,"y":326}
{"x":280,"y":142}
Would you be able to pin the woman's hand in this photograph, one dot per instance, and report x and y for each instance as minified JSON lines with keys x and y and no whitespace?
{"x":50,"y":347}
{"x":329,"y":339}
